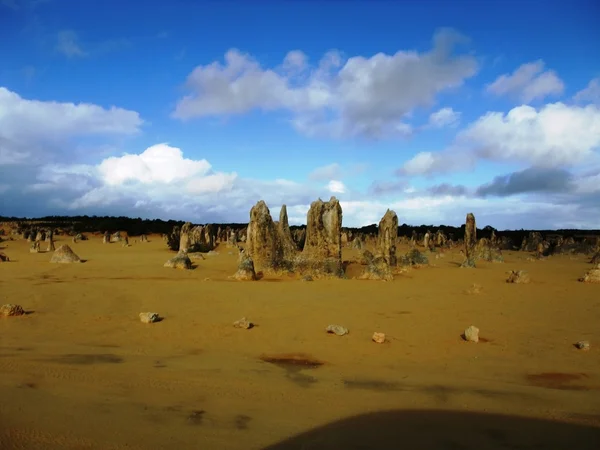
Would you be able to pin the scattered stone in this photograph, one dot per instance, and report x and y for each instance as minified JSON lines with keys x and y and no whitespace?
{"x":179,"y":261}
{"x":322,"y":253}
{"x":378,"y":337}
{"x":414,"y":258}
{"x":3,"y":257}
{"x":475,"y":289}
{"x":583,"y":345}
{"x":366,"y":257}
{"x":387,"y":237}
{"x":184,"y":237}
{"x":263,"y":243}
{"x":470,"y":241}
{"x":307,"y":278}
{"x":243,"y":323}
{"x":149,"y":317}
{"x":518,"y":277}
{"x":378,"y":269}
{"x":65,"y":255}
{"x":471,"y":334}
{"x":592,"y":276}
{"x":288,"y":245}
{"x":336,"y":329}
{"x":486,"y":250}
{"x":173,"y":239}
{"x":11,"y":310}
{"x":245,"y":270}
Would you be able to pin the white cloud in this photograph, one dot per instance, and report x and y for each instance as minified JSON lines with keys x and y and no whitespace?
{"x":68,"y":44}
{"x":336,"y":187}
{"x":555,"y":135}
{"x":157,"y":164}
{"x":591,"y":94}
{"x":358,"y":96}
{"x":212,"y":184}
{"x":329,"y":172}
{"x":529,"y":82}
{"x":33,"y":127}
{"x":444,"y":117}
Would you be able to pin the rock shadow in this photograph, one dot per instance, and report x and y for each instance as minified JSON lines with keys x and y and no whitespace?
{"x":443,"y":430}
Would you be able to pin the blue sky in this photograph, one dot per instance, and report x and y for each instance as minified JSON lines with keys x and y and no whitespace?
{"x":196,"y":110}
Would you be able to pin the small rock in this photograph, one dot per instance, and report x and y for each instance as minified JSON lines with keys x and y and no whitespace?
{"x":475,"y":289}
{"x":179,"y":261}
{"x":307,"y":278}
{"x":336,"y":329}
{"x":583,"y":345}
{"x":11,"y":310}
{"x":379,"y":337}
{"x":518,"y":277}
{"x":472,"y":334}
{"x":149,"y":317}
{"x":592,"y":276}
{"x":243,"y":323}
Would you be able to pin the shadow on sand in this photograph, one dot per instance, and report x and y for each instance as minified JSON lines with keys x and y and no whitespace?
{"x":444,"y":430}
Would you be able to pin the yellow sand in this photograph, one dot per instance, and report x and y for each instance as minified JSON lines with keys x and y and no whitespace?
{"x":81,"y":371}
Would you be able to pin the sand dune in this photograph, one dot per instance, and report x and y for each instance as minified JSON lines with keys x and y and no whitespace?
{"x":80,"y":371}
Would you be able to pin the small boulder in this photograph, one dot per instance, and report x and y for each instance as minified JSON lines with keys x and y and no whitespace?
{"x":468,"y":263}
{"x":471,"y":334}
{"x":243,"y":323}
{"x":475,"y":289}
{"x":378,"y":338}
{"x":64,"y":255}
{"x":414,"y":258}
{"x":11,"y":310}
{"x":245,"y":270}
{"x":583,"y":345}
{"x":336,"y":329}
{"x":3,"y":257}
{"x":378,"y":269}
{"x":518,"y":277}
{"x":592,"y":276}
{"x":179,"y":261}
{"x":149,"y":317}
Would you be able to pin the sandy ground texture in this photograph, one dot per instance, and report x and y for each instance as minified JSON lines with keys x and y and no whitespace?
{"x":80,"y":371}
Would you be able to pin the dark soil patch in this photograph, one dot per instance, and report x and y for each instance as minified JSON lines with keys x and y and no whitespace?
{"x":557,"y":380}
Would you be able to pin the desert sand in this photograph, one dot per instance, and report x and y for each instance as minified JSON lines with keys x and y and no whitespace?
{"x":80,"y":371}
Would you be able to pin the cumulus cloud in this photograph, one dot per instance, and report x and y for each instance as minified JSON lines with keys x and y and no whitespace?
{"x":448,"y":189}
{"x":336,"y":187}
{"x":527,"y":83}
{"x":430,"y":163}
{"x":591,"y":94}
{"x":30,"y":128}
{"x":388,"y":187}
{"x":67,"y":43}
{"x":358,"y":96}
{"x":324,"y":173}
{"x":532,"y":179}
{"x":157,"y":164}
{"x":445,"y":117}
{"x":554,"y":135}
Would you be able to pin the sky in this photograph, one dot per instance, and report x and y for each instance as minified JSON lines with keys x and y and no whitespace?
{"x":195,"y":111}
